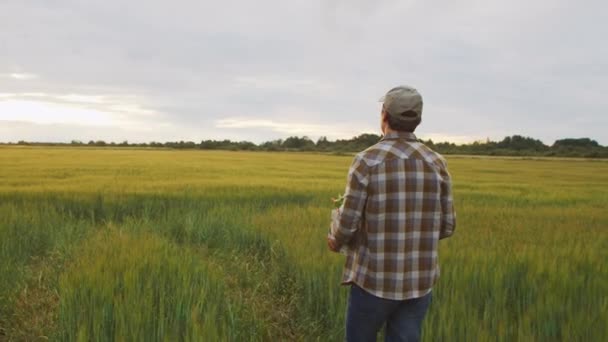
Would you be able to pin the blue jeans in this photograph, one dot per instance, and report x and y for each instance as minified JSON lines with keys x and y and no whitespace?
{"x":367,"y":314}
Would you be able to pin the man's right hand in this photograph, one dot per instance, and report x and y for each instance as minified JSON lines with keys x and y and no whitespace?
{"x":332,"y":244}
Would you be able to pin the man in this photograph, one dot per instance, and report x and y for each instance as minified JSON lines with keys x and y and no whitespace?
{"x":397,"y":206}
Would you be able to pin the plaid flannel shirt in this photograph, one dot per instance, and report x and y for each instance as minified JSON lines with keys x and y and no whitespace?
{"x":398,"y":205}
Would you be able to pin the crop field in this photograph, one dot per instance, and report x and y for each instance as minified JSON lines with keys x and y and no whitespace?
{"x":151,"y":245}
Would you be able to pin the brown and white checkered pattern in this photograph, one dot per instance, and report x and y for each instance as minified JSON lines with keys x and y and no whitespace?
{"x":398,"y":205}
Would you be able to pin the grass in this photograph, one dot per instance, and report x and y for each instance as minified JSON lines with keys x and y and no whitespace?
{"x":101,"y":244}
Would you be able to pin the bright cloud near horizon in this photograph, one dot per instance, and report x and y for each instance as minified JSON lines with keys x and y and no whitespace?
{"x":191,"y":70}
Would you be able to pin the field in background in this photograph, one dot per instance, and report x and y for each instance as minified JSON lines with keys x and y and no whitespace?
{"x":190,"y":245}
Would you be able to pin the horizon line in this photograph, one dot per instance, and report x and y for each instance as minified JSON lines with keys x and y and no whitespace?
{"x":87,"y":141}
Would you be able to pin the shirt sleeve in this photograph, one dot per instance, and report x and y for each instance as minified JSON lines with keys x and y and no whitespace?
{"x":448,"y":217}
{"x":355,"y":198}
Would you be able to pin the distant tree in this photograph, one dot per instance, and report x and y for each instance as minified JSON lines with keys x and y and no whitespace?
{"x":357,"y":143}
{"x":322,"y":143}
{"x":246,"y":146}
{"x":207,"y":145}
{"x":429,"y":143}
{"x":188,"y":144}
{"x":519,"y":143}
{"x":274,"y":145}
{"x":299,"y":143}
{"x":515,"y":145}
{"x":570,"y":142}
{"x":366,"y":140}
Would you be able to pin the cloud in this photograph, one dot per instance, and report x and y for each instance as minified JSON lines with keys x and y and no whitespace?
{"x":74,"y":109}
{"x":457,"y":139}
{"x":279,"y":83}
{"x":66,"y":132}
{"x":484,"y":68}
{"x":22,"y":76}
{"x":291,"y":128}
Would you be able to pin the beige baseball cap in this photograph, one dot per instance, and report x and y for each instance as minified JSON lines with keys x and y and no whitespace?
{"x":403,"y":103}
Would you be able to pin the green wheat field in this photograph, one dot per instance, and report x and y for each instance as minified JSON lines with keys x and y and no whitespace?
{"x":163,"y":245}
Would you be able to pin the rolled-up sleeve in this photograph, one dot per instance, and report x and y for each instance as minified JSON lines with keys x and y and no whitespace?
{"x":355,"y":198}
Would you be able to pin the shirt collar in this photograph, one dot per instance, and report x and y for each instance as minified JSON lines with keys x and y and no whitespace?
{"x":400,"y":135}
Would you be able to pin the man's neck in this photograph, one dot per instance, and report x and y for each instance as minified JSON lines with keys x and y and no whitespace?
{"x":388,"y":130}
{"x":393,"y":134}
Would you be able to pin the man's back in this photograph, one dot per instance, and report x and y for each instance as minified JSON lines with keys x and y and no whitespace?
{"x":398,"y":205}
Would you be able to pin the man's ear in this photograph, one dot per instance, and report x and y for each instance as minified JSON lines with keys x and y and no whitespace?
{"x":384,"y":116}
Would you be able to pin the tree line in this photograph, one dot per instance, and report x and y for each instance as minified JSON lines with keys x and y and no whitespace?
{"x":515,"y":145}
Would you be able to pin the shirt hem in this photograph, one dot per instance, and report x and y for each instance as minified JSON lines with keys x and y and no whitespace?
{"x":419,"y":294}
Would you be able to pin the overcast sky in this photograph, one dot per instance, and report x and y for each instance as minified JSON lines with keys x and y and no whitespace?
{"x":260,"y":70}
